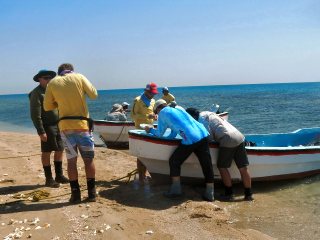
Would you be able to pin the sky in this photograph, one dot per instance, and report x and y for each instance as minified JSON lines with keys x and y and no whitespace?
{"x":120,"y":44}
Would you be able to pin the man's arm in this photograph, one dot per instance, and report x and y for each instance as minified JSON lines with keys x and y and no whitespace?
{"x":49,"y":103}
{"x":35,"y":112}
{"x":89,"y":89}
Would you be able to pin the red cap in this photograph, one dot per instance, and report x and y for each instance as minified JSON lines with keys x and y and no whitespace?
{"x":152,"y":87}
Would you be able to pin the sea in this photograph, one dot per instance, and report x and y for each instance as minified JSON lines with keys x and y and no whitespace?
{"x":283,"y":210}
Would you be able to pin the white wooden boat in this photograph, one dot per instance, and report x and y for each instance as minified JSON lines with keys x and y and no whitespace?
{"x":114,"y":133}
{"x":276,"y":156}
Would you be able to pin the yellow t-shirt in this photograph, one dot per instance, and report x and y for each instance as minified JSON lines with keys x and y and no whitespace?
{"x":68,"y":94}
{"x":140,"y":112}
{"x":168,"y":98}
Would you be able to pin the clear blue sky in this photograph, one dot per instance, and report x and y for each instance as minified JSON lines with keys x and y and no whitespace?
{"x":128,"y":43}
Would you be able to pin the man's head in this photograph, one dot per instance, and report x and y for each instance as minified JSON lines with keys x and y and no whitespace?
{"x":116,"y":108}
{"x":165,"y":90}
{"x":65,"y":67}
{"x":151,"y":90}
{"x":45,"y":74}
{"x":193,"y":112}
{"x":125,"y":105}
{"x":159,"y":105}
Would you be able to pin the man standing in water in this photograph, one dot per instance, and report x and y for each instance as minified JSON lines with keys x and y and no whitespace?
{"x":47,"y":128}
{"x":142,"y":113}
{"x":67,"y":93}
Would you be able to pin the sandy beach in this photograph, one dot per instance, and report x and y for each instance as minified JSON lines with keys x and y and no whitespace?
{"x":121,"y":211}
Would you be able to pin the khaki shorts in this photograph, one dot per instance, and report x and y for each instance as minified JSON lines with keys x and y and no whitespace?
{"x":238,"y":154}
{"x":54,"y":141}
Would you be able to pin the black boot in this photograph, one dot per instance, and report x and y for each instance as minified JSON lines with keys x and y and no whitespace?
{"x":228,"y":194}
{"x":50,"y":182}
{"x":59,"y":173}
{"x":75,"y":192}
{"x":91,"y":190}
{"x":248,"y":195}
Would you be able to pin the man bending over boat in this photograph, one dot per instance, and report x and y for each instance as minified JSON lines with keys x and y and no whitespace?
{"x":194,"y":139}
{"x":231,"y":146}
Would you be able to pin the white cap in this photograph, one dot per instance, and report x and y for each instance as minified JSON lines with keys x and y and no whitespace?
{"x":125,"y":104}
{"x":158,"y":103}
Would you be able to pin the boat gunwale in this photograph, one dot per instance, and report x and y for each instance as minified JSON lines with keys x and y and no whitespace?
{"x":251,"y":150}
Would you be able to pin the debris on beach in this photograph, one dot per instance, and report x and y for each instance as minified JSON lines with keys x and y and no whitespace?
{"x":34,"y":196}
{"x":149,"y":232}
{"x":107,"y":226}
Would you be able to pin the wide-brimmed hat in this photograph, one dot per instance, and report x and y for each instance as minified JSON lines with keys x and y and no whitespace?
{"x":158,"y":103}
{"x":152,"y":87}
{"x":116,"y":108}
{"x":44,"y":72}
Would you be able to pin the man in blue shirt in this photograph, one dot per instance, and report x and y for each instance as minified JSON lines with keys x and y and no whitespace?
{"x":194,"y":139}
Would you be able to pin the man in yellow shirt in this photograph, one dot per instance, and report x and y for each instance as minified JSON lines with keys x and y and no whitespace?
{"x":168,"y":97}
{"x":142,"y":113}
{"x":67,"y":92}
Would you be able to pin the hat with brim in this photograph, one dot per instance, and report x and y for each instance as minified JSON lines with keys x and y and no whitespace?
{"x":116,"y":108}
{"x":158,"y":104}
{"x":152,"y":88}
{"x":42,"y":73}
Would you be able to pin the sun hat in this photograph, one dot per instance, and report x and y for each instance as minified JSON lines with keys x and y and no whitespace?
{"x":44,"y":72}
{"x":116,"y":108}
{"x":165,"y":89}
{"x":125,"y":104}
{"x":158,"y":103}
{"x":152,"y":87}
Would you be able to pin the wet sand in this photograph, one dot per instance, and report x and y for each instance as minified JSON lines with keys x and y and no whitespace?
{"x":121,"y":211}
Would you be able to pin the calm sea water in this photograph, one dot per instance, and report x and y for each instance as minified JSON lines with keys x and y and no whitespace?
{"x":286,"y":210}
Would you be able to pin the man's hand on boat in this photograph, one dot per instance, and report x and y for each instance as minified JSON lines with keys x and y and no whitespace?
{"x":147,"y":128}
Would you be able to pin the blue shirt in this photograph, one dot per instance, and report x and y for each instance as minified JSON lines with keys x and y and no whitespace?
{"x":180,"y":122}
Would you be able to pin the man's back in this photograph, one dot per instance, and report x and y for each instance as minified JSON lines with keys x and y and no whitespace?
{"x":180,"y":122}
{"x":221,"y":130}
{"x":68,"y":94}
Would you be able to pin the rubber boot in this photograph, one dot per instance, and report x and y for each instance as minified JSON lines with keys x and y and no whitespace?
{"x":248,"y":195}
{"x":59,"y":173}
{"x":75,"y":192}
{"x":91,"y":190}
{"x":228,"y":194}
{"x":50,"y":182}
{"x":209,"y":193}
{"x":174,"y":191}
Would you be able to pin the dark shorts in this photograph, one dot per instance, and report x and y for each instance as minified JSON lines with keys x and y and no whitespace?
{"x":54,"y":142}
{"x":226,"y":155}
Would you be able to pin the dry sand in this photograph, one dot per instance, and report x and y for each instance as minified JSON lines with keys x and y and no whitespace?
{"x":121,"y":212}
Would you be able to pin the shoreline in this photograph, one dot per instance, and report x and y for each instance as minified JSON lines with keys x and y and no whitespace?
{"x":121,"y":212}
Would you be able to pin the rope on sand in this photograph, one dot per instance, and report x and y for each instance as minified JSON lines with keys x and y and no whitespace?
{"x":30,"y":155}
{"x":129,"y":175}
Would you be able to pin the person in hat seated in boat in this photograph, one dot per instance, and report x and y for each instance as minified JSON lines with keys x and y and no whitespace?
{"x":168,"y":97}
{"x":194,"y":140}
{"x":231,"y":146}
{"x":142,"y":113}
{"x":116,"y":113}
{"x":125,"y":107}
{"x":47,"y":128}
